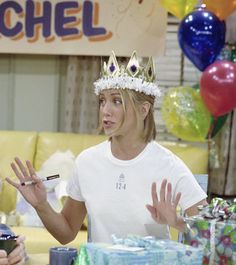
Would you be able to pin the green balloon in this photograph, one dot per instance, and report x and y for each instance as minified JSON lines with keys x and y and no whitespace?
{"x":185,"y":114}
{"x":216,"y":125}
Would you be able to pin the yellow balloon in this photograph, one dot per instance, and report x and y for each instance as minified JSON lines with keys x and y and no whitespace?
{"x":179,"y":8}
{"x":185,"y":114}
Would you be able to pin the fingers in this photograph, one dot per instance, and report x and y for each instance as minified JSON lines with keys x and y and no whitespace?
{"x":13,"y":183}
{"x":154,"y":194}
{"x":165,"y":194}
{"x":3,"y":257}
{"x":20,"y":170}
{"x":20,"y":239}
{"x":163,"y":190}
{"x":31,"y":169}
{"x":177,"y":199}
{"x":152,"y":211}
{"x":169,"y":193}
{"x":17,"y":256}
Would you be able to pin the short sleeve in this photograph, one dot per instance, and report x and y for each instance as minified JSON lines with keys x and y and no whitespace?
{"x":73,"y":186}
{"x":191,"y":192}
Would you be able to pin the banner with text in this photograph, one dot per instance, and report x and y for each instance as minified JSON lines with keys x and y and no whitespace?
{"x":82,"y":27}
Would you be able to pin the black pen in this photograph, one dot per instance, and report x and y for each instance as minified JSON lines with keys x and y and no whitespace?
{"x":31,"y":182}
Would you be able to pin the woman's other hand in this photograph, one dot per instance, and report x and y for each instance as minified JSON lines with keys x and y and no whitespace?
{"x":35,"y":193}
{"x":164,"y":209}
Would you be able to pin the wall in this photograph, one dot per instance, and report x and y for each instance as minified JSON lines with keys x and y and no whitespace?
{"x":30,"y":88}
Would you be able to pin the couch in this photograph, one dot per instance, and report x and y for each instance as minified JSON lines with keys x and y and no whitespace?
{"x":39,"y":146}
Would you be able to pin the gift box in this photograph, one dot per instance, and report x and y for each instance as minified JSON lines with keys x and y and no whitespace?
{"x":215,"y":232}
{"x":140,"y":251}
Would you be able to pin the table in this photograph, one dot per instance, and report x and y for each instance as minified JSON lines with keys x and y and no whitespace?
{"x":38,"y":259}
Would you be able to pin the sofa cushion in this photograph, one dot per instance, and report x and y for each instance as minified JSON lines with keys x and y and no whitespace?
{"x":50,"y":142}
{"x":12,"y":144}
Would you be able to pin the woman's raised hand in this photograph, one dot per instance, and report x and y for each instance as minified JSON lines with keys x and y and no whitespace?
{"x":35,"y":193}
{"x":163,"y":209}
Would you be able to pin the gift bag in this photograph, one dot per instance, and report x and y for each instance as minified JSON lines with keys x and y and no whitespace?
{"x":214,"y":230}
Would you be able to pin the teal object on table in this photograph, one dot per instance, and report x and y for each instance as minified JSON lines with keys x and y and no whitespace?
{"x":140,"y":251}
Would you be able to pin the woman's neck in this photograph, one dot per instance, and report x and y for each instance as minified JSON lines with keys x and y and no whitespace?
{"x":126,"y":149}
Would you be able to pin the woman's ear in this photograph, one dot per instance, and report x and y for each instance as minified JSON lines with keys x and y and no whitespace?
{"x":145,"y":108}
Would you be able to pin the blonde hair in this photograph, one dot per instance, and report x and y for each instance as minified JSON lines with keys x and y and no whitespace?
{"x":137,"y":99}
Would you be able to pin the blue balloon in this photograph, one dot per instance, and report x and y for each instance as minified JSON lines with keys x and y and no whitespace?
{"x":201,"y":37}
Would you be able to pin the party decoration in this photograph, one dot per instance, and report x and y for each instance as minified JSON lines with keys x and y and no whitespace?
{"x":179,"y":8}
{"x":185,"y":114}
{"x":228,"y":53}
{"x":201,"y":36}
{"x":222,"y":8}
{"x":137,"y":250}
{"x":218,"y":87}
{"x":216,"y":123}
{"x":214,"y":230}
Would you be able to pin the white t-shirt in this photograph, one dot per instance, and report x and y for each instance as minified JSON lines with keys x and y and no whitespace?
{"x":116,"y":191}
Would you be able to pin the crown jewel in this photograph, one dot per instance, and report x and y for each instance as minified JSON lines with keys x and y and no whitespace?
{"x":133,"y":76}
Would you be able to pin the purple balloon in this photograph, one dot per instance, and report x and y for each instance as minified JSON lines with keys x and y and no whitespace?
{"x":201,"y":37}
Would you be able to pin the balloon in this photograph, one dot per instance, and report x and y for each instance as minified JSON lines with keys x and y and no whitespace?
{"x":222,"y":8}
{"x":201,"y":37}
{"x":179,"y":8}
{"x":218,"y":87}
{"x":185,"y":114}
{"x":216,"y":123}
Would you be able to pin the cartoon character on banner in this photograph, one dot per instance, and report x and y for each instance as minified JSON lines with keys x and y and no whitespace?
{"x":185,"y":114}
{"x":201,"y":37}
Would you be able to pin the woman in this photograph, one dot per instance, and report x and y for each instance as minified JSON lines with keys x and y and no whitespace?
{"x":111,"y":181}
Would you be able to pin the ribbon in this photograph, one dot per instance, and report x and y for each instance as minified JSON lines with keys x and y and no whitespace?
{"x":212,"y":242}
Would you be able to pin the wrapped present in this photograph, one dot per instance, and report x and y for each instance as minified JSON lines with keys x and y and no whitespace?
{"x":139,"y":251}
{"x":214,"y":230}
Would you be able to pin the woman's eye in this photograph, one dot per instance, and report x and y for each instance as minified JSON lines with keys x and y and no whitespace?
{"x":101,"y":101}
{"x":117,"y":101}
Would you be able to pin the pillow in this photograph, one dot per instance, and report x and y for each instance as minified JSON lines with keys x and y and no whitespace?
{"x":58,"y":163}
{"x":61,"y":162}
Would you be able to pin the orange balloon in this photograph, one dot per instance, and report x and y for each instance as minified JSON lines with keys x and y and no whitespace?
{"x":179,"y":8}
{"x":221,"y":8}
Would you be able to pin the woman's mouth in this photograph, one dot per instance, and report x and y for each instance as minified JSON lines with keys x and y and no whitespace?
{"x":107,"y":124}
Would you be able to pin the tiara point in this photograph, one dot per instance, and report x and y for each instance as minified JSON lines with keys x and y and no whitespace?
{"x":133,"y":65}
{"x":149,"y":70}
{"x":112,"y":65}
{"x":133,"y":76}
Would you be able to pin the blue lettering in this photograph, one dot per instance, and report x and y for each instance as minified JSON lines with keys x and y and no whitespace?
{"x":5,"y":29}
{"x":61,"y":20}
{"x":31,"y":20}
{"x":88,"y":28}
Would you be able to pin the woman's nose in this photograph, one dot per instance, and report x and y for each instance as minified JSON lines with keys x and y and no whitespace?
{"x":107,"y":109}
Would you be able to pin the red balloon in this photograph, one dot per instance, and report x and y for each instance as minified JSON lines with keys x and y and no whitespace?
{"x":218,"y":87}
